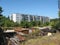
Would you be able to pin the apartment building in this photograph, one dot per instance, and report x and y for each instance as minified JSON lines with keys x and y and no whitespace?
{"x":17,"y":17}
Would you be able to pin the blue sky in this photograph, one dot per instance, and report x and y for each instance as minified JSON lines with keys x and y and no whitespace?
{"x":35,"y":7}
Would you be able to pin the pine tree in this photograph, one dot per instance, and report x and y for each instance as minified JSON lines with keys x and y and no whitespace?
{"x":1,"y":11}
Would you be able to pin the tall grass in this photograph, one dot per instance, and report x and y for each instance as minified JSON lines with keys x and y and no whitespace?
{"x":45,"y":40}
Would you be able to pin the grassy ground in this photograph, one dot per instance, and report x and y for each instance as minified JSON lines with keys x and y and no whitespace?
{"x":45,"y":40}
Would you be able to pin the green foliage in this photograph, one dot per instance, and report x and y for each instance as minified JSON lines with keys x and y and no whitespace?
{"x":1,"y":10}
{"x":46,"y":24}
{"x":39,"y":23}
{"x":27,"y":24}
{"x":2,"y":20}
{"x":33,"y":23}
{"x":36,"y":23}
{"x":56,"y":23}
{"x":6,"y":22}
{"x":57,"y":26}
{"x":56,"y":19}
{"x":24,"y":24}
{"x":59,"y":14}
{"x":52,"y":23}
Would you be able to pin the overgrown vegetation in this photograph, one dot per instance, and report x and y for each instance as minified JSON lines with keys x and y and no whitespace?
{"x":27,"y":24}
{"x":55,"y":23}
{"x":45,"y":40}
{"x":6,"y":22}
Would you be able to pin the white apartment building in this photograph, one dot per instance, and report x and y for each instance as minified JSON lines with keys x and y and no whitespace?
{"x":25,"y":17}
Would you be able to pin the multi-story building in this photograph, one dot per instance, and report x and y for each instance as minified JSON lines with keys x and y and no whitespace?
{"x":25,"y":17}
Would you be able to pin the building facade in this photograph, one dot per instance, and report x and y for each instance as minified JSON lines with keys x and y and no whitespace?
{"x":25,"y":17}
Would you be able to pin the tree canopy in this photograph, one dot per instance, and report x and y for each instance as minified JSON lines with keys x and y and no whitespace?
{"x":56,"y":23}
{"x":1,"y":11}
{"x":5,"y":21}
